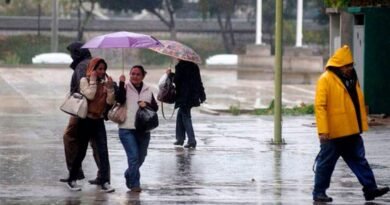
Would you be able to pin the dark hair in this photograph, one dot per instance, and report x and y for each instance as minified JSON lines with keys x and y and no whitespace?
{"x":141,"y":68}
{"x":100,"y":61}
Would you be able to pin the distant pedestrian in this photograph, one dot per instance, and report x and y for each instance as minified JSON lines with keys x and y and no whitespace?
{"x":99,"y":91}
{"x":189,"y":93}
{"x":341,"y":118}
{"x":134,"y":94}
{"x":81,"y":57}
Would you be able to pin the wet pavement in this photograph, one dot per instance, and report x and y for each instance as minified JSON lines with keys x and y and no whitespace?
{"x":234,"y":162}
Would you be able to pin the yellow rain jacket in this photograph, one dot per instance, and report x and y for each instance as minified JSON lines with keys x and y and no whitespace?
{"x":334,"y":109}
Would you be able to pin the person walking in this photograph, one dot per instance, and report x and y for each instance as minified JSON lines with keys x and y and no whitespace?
{"x":99,"y":93}
{"x":81,"y":57}
{"x":189,"y":93}
{"x":341,"y":118}
{"x":134,"y":94}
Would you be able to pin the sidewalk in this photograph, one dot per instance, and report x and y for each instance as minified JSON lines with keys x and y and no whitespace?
{"x":234,"y":162}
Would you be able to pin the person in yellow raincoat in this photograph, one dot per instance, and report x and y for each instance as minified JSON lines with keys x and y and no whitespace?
{"x":341,"y":118}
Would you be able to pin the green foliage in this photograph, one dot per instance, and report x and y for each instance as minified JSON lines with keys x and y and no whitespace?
{"x":337,"y":3}
{"x":30,"y":7}
{"x":12,"y":59}
{"x":289,"y":32}
{"x":234,"y":110}
{"x":319,"y":37}
{"x":302,"y":109}
{"x":21,"y":49}
{"x":299,"y":110}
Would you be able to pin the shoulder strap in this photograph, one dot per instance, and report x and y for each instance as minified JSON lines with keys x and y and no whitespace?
{"x":162,"y":111}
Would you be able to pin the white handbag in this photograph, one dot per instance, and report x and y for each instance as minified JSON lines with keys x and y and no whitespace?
{"x":117,"y":113}
{"x":76,"y":105}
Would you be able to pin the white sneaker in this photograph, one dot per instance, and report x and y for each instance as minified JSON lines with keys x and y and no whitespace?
{"x":106,"y":187}
{"x":72,"y":185}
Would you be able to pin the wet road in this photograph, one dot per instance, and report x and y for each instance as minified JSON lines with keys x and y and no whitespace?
{"x":234,"y":162}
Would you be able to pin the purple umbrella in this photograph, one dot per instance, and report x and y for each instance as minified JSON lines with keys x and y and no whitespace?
{"x":122,"y":40}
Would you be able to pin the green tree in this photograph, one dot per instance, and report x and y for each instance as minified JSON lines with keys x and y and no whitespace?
{"x":155,"y":7}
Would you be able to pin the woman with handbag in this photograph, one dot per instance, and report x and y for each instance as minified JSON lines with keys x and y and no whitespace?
{"x":99,"y":93}
{"x":135,"y":95}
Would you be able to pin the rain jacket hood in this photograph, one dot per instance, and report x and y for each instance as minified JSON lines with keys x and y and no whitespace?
{"x":92,"y":65}
{"x":340,"y":58}
{"x":77,"y":53}
{"x":336,"y":113}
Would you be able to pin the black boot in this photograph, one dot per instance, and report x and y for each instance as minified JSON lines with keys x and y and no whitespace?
{"x":372,"y":194}
{"x":178,"y":143}
{"x":322,"y":198}
{"x":190,"y":145}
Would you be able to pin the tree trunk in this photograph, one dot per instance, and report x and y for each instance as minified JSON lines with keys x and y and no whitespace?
{"x":172,"y":25}
{"x":39,"y":18}
{"x":88,"y":15}
{"x":173,"y":33}
{"x":230,"y":31}
{"x":225,"y":39}
{"x":79,"y":31}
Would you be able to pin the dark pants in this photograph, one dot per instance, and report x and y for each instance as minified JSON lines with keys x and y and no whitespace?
{"x":94,"y":130}
{"x":184,"y":125}
{"x":351,"y":149}
{"x":71,"y":145}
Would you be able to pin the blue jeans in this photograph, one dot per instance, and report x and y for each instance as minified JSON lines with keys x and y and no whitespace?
{"x":184,"y":125}
{"x":136,"y":148}
{"x":351,"y":149}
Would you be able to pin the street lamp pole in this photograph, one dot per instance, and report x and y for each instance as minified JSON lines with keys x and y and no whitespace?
{"x":54,"y":26}
{"x":278,"y":72}
{"x":298,"y":42}
{"x":259,"y":13}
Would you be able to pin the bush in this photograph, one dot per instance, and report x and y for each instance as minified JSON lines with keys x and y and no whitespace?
{"x":11,"y":59}
{"x":21,"y":48}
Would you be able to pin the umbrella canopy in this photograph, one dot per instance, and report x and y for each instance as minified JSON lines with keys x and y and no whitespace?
{"x":177,"y":50}
{"x":122,"y":39}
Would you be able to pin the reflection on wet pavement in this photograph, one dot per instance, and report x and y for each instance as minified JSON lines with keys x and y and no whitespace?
{"x":234,"y":162}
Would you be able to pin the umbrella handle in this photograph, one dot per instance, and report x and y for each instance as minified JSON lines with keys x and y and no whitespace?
{"x":123,"y":62}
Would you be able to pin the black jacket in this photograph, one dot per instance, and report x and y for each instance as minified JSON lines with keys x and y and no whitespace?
{"x":81,"y":57}
{"x":189,"y":86}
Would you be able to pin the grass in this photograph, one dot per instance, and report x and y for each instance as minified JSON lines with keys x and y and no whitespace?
{"x":302,"y":109}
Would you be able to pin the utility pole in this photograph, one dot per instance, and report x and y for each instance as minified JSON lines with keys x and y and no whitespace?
{"x":298,"y":41}
{"x":259,"y":14}
{"x":278,"y":72}
{"x":54,"y":26}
